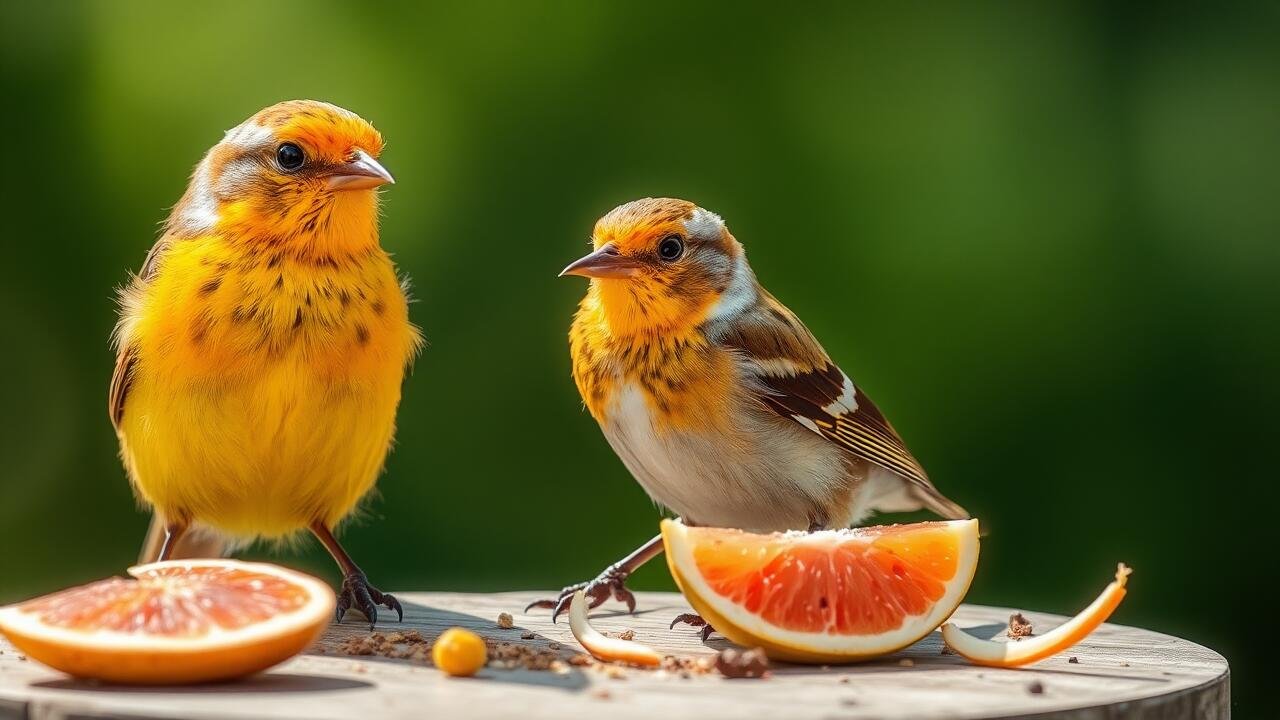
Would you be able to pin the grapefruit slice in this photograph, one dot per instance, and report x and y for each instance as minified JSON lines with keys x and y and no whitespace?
{"x":1029,"y":650}
{"x":825,"y":597}
{"x":182,"y":621}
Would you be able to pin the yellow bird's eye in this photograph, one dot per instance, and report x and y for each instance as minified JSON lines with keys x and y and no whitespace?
{"x":290,"y":157}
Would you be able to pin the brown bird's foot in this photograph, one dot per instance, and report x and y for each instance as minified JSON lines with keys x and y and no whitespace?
{"x":359,"y":594}
{"x":694,"y":620}
{"x":610,"y":583}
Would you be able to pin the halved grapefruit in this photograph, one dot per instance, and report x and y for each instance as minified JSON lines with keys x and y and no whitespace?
{"x":824,"y":597}
{"x":181,"y":621}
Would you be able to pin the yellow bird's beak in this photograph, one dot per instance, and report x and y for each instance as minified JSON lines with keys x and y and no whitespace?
{"x":605,"y":262}
{"x":361,"y":172}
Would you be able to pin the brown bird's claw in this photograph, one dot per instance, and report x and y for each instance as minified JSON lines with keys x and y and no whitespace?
{"x":610,"y":583}
{"x":693,"y":620}
{"x":359,"y":594}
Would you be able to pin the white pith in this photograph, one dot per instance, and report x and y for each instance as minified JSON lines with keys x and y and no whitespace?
{"x":913,"y":626}
{"x":601,"y":646}
{"x":318,"y":609}
{"x":1019,"y":651}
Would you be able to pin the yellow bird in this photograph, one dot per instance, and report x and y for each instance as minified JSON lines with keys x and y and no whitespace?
{"x":261,"y":349}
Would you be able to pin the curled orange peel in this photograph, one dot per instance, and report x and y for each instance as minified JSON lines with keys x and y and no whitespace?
{"x":603,"y":647}
{"x":1029,"y":650}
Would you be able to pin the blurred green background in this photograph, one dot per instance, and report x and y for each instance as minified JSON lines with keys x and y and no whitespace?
{"x":1044,"y":236}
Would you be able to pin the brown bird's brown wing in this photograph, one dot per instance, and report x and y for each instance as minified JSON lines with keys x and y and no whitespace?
{"x":797,"y":380}
{"x":825,"y":397}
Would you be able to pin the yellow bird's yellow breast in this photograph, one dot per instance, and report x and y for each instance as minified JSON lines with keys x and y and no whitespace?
{"x":265,"y":386}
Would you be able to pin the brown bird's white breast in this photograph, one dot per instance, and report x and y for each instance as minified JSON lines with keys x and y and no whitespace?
{"x":755,"y":471}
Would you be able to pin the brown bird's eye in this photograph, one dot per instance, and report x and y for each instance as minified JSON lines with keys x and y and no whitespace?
{"x":290,"y":156}
{"x":671,"y":248}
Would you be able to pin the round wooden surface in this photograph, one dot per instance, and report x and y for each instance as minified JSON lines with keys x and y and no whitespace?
{"x":1119,"y":672}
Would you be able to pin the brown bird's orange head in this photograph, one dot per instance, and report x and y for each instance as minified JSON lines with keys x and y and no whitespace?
{"x":664,"y":264}
{"x":297,"y":172}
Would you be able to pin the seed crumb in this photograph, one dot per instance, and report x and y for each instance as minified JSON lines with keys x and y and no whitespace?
{"x":505,"y":621}
{"x":602,"y":694}
{"x":1019,"y":626}
{"x":554,"y":645}
{"x":1073,"y":660}
{"x":407,"y":645}
{"x":734,"y":663}
{"x":946,"y":650}
{"x":907,"y":662}
{"x":627,"y":634}
{"x":1036,"y":688}
{"x":526,"y":635}
{"x":687,"y":667}
{"x":560,"y":667}
{"x":503,"y":655}
{"x":511,"y":655}
{"x":614,"y":672}
{"x":845,"y":680}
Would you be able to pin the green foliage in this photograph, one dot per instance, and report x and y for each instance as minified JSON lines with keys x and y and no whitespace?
{"x":1043,"y":236}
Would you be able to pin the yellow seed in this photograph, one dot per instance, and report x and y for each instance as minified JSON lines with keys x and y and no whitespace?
{"x":459,"y":652}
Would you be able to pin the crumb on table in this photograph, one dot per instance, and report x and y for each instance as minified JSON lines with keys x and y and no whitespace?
{"x":1019,"y":626}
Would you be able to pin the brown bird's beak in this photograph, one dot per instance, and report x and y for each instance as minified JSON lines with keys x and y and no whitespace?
{"x":606,"y":262}
{"x":360,"y":173}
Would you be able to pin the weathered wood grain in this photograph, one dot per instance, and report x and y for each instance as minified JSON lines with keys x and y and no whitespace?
{"x":1121,"y":672}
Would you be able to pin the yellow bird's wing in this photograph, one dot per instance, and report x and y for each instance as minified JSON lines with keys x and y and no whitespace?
{"x":119,"y":386}
{"x":125,"y":353}
{"x":197,"y":542}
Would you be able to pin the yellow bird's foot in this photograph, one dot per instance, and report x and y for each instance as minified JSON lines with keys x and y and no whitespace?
{"x":694,"y":620}
{"x":357,"y":593}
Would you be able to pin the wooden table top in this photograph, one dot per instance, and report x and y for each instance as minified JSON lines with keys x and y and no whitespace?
{"x":1120,"y":672}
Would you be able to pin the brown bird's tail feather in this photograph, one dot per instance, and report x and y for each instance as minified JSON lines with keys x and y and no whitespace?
{"x":941,"y":505}
{"x":195,"y":543}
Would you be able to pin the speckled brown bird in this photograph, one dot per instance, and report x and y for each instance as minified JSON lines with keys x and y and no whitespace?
{"x":716,"y":397}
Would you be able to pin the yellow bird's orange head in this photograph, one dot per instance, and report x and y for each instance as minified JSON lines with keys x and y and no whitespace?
{"x":662,"y":264}
{"x":301,"y":172}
